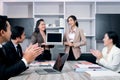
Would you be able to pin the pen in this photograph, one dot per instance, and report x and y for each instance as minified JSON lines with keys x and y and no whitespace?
{"x":94,"y":67}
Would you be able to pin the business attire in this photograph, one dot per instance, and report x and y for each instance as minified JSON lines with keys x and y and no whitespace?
{"x":110,"y":60}
{"x":14,"y":50}
{"x":78,"y":39}
{"x":39,"y":38}
{"x":10,"y":64}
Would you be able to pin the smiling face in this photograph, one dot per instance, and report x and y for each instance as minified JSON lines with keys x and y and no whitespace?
{"x":107,"y":40}
{"x":42,"y":26}
{"x":21,"y":38}
{"x":71,"y":22}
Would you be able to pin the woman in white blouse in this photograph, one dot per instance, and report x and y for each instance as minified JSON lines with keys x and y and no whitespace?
{"x":73,"y":39}
{"x":110,"y":55}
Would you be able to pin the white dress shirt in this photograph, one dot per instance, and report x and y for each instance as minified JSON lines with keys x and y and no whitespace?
{"x":71,"y":35}
{"x":0,"y":45}
{"x":111,"y":60}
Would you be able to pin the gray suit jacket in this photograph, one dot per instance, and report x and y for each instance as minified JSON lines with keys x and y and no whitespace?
{"x":37,"y":38}
{"x":78,"y":41}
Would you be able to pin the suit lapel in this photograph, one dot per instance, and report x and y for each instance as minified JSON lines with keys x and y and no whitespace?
{"x":13,"y":50}
{"x":12,"y":47}
{"x":111,"y":53}
{"x":76,"y":34}
{"x":2,"y":55}
{"x":67,"y":35}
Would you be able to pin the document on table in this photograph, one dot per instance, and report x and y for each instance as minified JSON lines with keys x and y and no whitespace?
{"x":106,"y":73}
{"x":34,"y":64}
{"x":42,"y":64}
{"x":87,"y":67}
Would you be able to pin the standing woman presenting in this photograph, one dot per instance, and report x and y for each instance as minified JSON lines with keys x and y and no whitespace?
{"x":73,"y":39}
{"x":39,"y":36}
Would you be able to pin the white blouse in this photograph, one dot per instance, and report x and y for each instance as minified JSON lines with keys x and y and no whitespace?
{"x":71,"y":35}
{"x":111,"y":60}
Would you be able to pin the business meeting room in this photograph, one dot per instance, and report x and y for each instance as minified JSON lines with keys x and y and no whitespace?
{"x":59,"y":39}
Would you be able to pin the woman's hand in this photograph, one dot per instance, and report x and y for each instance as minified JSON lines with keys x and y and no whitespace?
{"x":70,"y":44}
{"x":96,"y":53}
{"x":43,"y":43}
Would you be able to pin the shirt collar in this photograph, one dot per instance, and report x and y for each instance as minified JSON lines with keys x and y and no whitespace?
{"x":14,"y":43}
{"x":0,"y":45}
{"x":74,"y":30}
{"x":112,"y":49}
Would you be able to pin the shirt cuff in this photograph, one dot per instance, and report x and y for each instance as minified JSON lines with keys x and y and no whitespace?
{"x":101,"y":60}
{"x":97,"y":61}
{"x":25,"y":62}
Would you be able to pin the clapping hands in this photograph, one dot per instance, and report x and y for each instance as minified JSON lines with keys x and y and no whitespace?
{"x":32,"y":52}
{"x":96,"y":53}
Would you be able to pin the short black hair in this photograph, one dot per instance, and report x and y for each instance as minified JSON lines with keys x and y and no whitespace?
{"x":113,"y":35}
{"x":17,"y":31}
{"x":3,"y":25}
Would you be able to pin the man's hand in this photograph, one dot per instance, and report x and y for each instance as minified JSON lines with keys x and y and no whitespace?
{"x":32,"y":52}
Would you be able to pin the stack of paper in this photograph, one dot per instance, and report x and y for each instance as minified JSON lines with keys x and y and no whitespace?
{"x":34,"y":64}
{"x":42,"y":64}
{"x":102,"y":73}
{"x":88,"y":67}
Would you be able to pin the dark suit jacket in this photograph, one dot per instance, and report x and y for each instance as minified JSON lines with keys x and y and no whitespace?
{"x":10,"y":63}
{"x":11,"y":51}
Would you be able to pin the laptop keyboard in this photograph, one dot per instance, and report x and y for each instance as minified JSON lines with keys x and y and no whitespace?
{"x":49,"y":70}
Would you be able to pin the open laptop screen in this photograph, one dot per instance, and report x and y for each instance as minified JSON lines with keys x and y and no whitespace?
{"x":54,"y":38}
{"x":60,"y":61}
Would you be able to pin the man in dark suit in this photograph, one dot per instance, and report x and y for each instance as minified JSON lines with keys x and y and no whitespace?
{"x":12,"y":47}
{"x":8,"y":70}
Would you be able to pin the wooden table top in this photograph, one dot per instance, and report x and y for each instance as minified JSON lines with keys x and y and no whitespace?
{"x":68,"y":73}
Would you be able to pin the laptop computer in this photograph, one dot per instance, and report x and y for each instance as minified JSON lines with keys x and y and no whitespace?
{"x":58,"y":66}
{"x":54,"y":38}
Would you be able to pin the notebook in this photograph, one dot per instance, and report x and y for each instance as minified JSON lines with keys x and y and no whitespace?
{"x":58,"y":66}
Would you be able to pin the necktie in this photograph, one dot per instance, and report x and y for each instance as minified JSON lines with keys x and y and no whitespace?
{"x":19,"y":50}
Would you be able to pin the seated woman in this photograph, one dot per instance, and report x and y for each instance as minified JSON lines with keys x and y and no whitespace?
{"x":39,"y":36}
{"x":110,"y":55}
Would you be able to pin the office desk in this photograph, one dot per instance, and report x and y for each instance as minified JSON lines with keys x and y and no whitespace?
{"x":68,"y":73}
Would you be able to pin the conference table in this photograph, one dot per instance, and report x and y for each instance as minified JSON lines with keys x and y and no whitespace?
{"x":68,"y":73}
